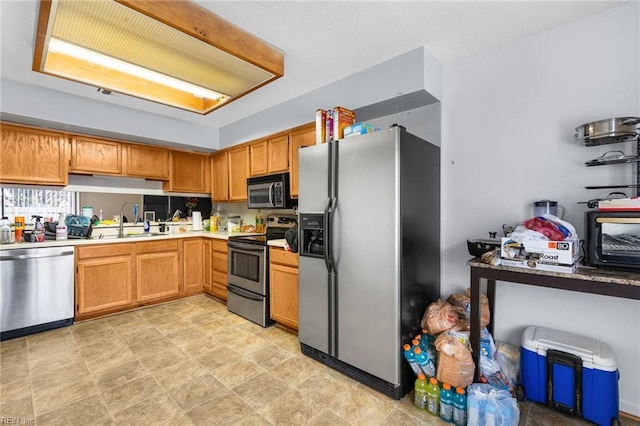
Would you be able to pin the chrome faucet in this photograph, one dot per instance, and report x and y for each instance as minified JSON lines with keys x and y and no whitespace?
{"x":135,"y":219}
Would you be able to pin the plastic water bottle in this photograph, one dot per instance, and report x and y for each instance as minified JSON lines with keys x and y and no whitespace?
{"x":474,"y":408}
{"x":420,"y":392}
{"x":446,"y":403}
{"x":433,"y":397}
{"x":416,"y":344}
{"x":426,"y":365}
{"x":409,"y":356}
{"x":460,"y":407}
{"x":490,"y":411}
{"x":428,"y":342}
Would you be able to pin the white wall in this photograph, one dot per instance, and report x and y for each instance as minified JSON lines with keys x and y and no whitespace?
{"x":508,"y":121}
{"x":39,"y":106}
{"x":413,"y":71}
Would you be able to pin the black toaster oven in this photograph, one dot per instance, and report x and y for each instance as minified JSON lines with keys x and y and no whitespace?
{"x":613,"y":239}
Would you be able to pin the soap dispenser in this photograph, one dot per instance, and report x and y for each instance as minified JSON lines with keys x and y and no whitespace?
{"x":61,"y":228}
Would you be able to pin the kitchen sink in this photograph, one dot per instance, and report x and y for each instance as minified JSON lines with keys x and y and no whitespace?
{"x":147,"y":234}
{"x":110,"y":237}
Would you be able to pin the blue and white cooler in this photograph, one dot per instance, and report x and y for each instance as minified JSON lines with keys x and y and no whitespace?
{"x":571,"y":373}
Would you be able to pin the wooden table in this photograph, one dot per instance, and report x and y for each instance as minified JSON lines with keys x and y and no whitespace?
{"x":586,"y":280}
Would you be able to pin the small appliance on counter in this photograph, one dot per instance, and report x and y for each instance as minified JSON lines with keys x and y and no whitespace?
{"x":479,"y":246}
{"x":613,"y":239}
{"x":543,"y":207}
{"x":78,"y":226}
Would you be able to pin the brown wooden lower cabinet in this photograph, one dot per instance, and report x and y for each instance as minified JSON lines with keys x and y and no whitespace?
{"x":207,"y":267}
{"x":116,"y":277}
{"x":218,"y":269}
{"x":104,"y":279}
{"x":157,"y":276}
{"x":283,"y":291}
{"x":192,"y":266}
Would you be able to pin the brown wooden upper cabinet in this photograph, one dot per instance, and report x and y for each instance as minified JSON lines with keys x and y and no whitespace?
{"x":189,"y":172}
{"x":269,"y":156}
{"x":258,"y":163}
{"x":145,"y":161}
{"x":90,"y":155}
{"x":220,"y":175}
{"x":298,"y":138}
{"x":278,"y":151}
{"x":33,"y":156}
{"x":104,"y":157}
{"x":238,"y":172}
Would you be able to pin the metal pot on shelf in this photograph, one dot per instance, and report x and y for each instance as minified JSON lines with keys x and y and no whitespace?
{"x":610,"y":130}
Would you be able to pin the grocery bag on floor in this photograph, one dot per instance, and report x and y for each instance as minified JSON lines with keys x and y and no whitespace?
{"x":487,"y":405}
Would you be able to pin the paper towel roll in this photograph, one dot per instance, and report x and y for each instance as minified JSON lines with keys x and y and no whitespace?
{"x":196,"y":217}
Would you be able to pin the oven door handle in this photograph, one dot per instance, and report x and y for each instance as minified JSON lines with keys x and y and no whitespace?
{"x":245,"y":247}
{"x":243,"y":293}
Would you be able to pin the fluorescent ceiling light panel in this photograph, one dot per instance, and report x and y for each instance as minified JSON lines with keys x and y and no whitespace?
{"x":172,"y":52}
{"x":60,"y":46}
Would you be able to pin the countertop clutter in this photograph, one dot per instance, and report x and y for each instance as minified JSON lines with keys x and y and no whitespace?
{"x":135,"y":238}
{"x":127,"y":239}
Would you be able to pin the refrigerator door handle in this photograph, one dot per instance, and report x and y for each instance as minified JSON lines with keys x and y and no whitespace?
{"x":327,"y":236}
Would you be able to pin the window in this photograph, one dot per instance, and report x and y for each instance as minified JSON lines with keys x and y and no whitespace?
{"x":48,"y":203}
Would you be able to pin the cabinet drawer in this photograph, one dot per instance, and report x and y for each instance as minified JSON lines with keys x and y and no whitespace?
{"x":220,"y":278}
{"x":278,"y":255}
{"x":158,"y":246}
{"x":220,"y":262}
{"x":106,"y":250}
{"x":219,"y":245}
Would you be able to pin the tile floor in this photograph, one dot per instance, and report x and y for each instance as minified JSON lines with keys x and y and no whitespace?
{"x":191,"y":362}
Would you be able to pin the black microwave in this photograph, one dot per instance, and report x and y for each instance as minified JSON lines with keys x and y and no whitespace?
{"x":269,"y":192}
{"x":613,"y":239}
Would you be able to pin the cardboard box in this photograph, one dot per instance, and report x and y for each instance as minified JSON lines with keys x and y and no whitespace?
{"x":321,"y":126}
{"x":359,"y":129}
{"x":538,"y":265}
{"x":554,"y":252}
{"x":342,"y":118}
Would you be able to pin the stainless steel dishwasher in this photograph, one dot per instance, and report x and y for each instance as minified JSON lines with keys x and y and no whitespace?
{"x":36,"y":290}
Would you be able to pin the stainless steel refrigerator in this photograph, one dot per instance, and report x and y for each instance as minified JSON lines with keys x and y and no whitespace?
{"x":369,"y":243}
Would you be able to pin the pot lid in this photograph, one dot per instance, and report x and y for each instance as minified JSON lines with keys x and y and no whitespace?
{"x":613,"y":157}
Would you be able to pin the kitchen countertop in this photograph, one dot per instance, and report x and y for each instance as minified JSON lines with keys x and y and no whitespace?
{"x":277,"y":243}
{"x":129,"y":239}
{"x":581,"y":273}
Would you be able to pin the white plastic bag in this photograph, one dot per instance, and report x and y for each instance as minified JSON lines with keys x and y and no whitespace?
{"x":488,"y":406}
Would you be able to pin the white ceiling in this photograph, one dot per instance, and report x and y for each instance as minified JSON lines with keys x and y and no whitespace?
{"x":323,"y":41}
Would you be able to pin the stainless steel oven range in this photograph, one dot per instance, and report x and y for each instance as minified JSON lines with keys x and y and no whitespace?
{"x":248,"y":270}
